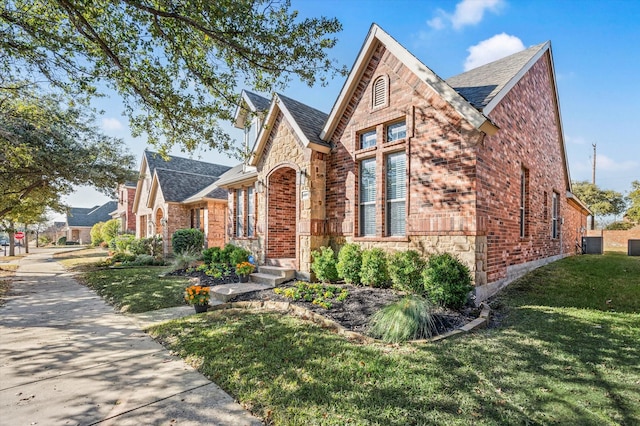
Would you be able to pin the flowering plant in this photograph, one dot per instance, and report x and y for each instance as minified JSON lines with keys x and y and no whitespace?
{"x":196,"y":295}
{"x":244,"y":268}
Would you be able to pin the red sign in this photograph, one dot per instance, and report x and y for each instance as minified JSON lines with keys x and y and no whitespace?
{"x":18,"y":235}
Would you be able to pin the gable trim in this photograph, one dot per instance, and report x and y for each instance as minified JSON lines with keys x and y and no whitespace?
{"x":378,"y":35}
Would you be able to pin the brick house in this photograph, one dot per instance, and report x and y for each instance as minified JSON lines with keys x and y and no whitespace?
{"x":179,"y":193}
{"x":474,"y":165}
{"x":124,"y":209}
{"x":80,"y":220}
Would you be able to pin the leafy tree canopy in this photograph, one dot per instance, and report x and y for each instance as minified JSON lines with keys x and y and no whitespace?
{"x":633,"y":212}
{"x":601,"y":202}
{"x":47,"y":148}
{"x":177,"y":64}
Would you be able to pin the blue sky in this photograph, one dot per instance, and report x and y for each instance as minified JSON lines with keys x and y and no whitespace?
{"x":596,"y":51}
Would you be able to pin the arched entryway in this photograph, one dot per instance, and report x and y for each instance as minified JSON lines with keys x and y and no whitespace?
{"x":159,"y":222}
{"x":282,"y":215}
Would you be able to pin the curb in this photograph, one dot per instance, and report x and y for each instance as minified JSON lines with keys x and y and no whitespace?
{"x":331,"y":325}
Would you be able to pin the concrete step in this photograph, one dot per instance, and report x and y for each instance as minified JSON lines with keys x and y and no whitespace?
{"x":282,"y":262}
{"x":226,"y":292}
{"x":278,"y":271}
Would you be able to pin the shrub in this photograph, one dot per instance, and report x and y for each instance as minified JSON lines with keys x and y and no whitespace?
{"x":44,"y":240}
{"x":447,"y":281}
{"x":144,"y":260}
{"x":109,"y":232}
{"x":123,"y":242}
{"x":62,"y":241}
{"x":619,"y":226}
{"x":405,"y":270}
{"x":187,"y":240}
{"x":407,"y":319}
{"x":96,"y":234}
{"x":185,"y":260}
{"x":374,"y":270}
{"x":324,"y":264}
{"x":122,"y":257}
{"x":239,"y":255}
{"x":212,"y":255}
{"x":225,"y":255}
{"x":350,"y":263}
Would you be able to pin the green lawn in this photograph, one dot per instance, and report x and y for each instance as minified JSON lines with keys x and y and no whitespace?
{"x":137,"y":289}
{"x":560,"y":355}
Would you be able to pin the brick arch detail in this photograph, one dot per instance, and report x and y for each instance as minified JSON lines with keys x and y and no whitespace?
{"x":282,"y":212}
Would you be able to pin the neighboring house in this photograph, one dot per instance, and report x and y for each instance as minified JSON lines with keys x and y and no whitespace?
{"x":124,"y":210}
{"x":474,"y":165}
{"x":81,"y":220}
{"x":179,"y":193}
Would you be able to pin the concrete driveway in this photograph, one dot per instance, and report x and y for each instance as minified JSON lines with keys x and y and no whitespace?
{"x":66,"y":358}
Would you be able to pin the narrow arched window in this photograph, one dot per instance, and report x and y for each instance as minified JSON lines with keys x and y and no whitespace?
{"x":379,"y":92}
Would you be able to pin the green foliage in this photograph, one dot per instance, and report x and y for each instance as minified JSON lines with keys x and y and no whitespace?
{"x":151,"y":246}
{"x":447,"y":281}
{"x":239,"y":255}
{"x":212,"y":255}
{"x":96,"y":234}
{"x":324,"y":264}
{"x":405,"y":270}
{"x":144,"y":260}
{"x":61,"y":241}
{"x":227,"y":251}
{"x":601,"y":202}
{"x":44,"y":240}
{"x":123,"y":242}
{"x":317,"y":294}
{"x":350,"y":263}
{"x":633,"y":212}
{"x":619,"y":226}
{"x":120,"y":257}
{"x":185,"y":259}
{"x":176,"y":67}
{"x":187,"y":240}
{"x":109,"y":232}
{"x":409,"y":318}
{"x":374,"y":270}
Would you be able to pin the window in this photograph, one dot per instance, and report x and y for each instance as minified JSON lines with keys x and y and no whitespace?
{"x":239,"y":213}
{"x":396,"y":131}
{"x":367,"y":139}
{"x":251,"y":211}
{"x":368,"y":197}
{"x":555,"y":210}
{"x":197,"y":218}
{"x":545,"y":206}
{"x":379,"y":92}
{"x":396,"y":192}
{"x":524,"y":177}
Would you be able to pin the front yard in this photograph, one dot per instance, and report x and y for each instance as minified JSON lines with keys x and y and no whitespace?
{"x":563,"y":349}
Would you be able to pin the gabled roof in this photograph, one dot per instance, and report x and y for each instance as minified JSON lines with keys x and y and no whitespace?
{"x":79,"y":216}
{"x":254,"y":102}
{"x":177,"y":186}
{"x":306,"y":121}
{"x":378,"y":35}
{"x":238,"y":174}
{"x":486,"y":85}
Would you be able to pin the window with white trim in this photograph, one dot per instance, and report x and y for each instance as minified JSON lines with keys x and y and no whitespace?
{"x":555,"y":215}
{"x":367,"y":205}
{"x":379,"y":92}
{"x":239,"y":213}
{"x":367,"y":139}
{"x":396,"y":193}
{"x":396,"y":131}
{"x":251,"y":212}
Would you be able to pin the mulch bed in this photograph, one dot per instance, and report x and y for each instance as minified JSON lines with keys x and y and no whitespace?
{"x":353,"y":313}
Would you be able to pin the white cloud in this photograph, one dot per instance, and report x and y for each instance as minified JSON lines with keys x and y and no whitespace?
{"x":468,"y":12}
{"x":111,"y":124}
{"x":496,"y":47}
{"x":578,"y":140}
{"x":605,"y":163}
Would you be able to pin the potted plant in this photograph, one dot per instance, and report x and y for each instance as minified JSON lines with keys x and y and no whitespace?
{"x":198,"y":296}
{"x":243,"y":269}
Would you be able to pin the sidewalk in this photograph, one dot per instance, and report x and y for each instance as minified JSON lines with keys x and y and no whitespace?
{"x":66,"y":358}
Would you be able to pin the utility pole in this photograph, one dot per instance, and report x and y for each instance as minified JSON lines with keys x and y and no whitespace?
{"x":593,"y":181}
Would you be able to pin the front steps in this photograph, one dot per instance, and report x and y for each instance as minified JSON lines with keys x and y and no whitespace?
{"x":266,"y":277}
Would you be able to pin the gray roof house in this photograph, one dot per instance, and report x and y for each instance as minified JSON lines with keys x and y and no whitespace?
{"x":80,"y":221}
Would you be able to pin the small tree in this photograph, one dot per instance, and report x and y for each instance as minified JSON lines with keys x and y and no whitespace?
{"x":96,"y":234}
{"x":110,"y":231}
{"x":324,"y":264}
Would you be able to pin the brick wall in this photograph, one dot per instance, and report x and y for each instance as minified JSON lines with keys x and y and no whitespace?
{"x":282,"y":208}
{"x":616,"y":240}
{"x":130,"y":217}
